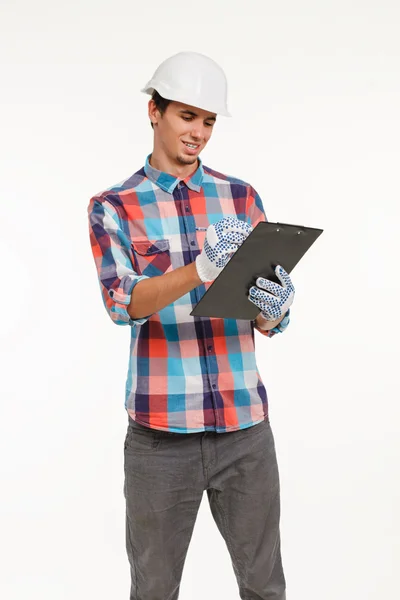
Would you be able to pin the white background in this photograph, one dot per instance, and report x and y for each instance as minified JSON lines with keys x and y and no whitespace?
{"x":314,"y":90}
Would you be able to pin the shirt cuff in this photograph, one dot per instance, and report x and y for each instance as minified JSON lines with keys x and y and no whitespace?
{"x":121,"y":298}
{"x":280,"y":328}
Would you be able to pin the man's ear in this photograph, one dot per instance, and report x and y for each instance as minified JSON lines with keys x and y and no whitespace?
{"x":154,"y":113}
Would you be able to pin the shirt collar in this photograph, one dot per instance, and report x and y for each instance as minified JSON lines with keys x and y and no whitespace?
{"x":169,"y":182}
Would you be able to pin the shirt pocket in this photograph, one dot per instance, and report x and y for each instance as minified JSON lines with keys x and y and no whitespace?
{"x":151,"y":257}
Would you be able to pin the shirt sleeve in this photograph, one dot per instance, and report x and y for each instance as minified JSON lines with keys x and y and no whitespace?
{"x":111,"y":250}
{"x":256,"y":214}
{"x":254,"y":208}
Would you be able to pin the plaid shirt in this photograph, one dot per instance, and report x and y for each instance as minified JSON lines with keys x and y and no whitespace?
{"x":186,"y":374}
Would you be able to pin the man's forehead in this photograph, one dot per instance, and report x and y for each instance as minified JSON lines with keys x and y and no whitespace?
{"x":194,"y":110}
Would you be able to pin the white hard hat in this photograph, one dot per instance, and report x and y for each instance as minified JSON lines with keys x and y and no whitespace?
{"x":191,"y":78}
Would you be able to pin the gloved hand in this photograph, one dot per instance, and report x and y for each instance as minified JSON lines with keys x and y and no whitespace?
{"x":222,"y":240}
{"x":277,"y":299}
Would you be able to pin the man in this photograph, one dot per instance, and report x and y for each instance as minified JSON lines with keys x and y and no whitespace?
{"x":197,"y":408}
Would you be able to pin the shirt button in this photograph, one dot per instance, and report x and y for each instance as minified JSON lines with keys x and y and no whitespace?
{"x":187,"y":209}
{"x":209,"y":347}
{"x":214,"y":385}
{"x":192,"y":243}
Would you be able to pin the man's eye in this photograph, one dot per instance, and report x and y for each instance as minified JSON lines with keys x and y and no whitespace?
{"x":190,"y":119}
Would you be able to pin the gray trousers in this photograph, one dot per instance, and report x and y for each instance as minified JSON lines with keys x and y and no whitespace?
{"x":165,"y":477}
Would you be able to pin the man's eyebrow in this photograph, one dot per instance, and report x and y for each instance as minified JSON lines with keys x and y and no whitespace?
{"x":193,"y":114}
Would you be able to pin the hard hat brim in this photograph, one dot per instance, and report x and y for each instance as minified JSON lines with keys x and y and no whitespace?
{"x":149,"y":89}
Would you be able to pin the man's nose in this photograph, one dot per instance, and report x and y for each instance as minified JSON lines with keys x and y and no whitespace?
{"x":197,"y":133}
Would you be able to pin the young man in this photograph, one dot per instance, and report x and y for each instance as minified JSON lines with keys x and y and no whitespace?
{"x":197,"y":408}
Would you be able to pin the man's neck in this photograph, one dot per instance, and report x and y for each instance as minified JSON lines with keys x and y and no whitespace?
{"x":172,"y":168}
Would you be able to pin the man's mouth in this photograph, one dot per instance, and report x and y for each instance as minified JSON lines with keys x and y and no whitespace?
{"x":192,"y":146}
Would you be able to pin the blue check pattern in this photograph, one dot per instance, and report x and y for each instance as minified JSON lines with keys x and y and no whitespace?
{"x":185,"y":374}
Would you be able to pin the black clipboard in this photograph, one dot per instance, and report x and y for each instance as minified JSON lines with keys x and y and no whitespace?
{"x":268,"y":245}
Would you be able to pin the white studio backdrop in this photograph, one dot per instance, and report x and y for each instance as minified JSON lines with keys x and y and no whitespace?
{"x":314,"y":90}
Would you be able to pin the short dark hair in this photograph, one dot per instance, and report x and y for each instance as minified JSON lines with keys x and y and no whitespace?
{"x":160,"y":102}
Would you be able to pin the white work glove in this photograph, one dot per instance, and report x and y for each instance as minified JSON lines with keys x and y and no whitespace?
{"x":222,"y":240}
{"x":277,"y":299}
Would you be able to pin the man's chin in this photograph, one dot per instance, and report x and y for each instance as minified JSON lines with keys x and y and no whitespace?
{"x":186,"y":160}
